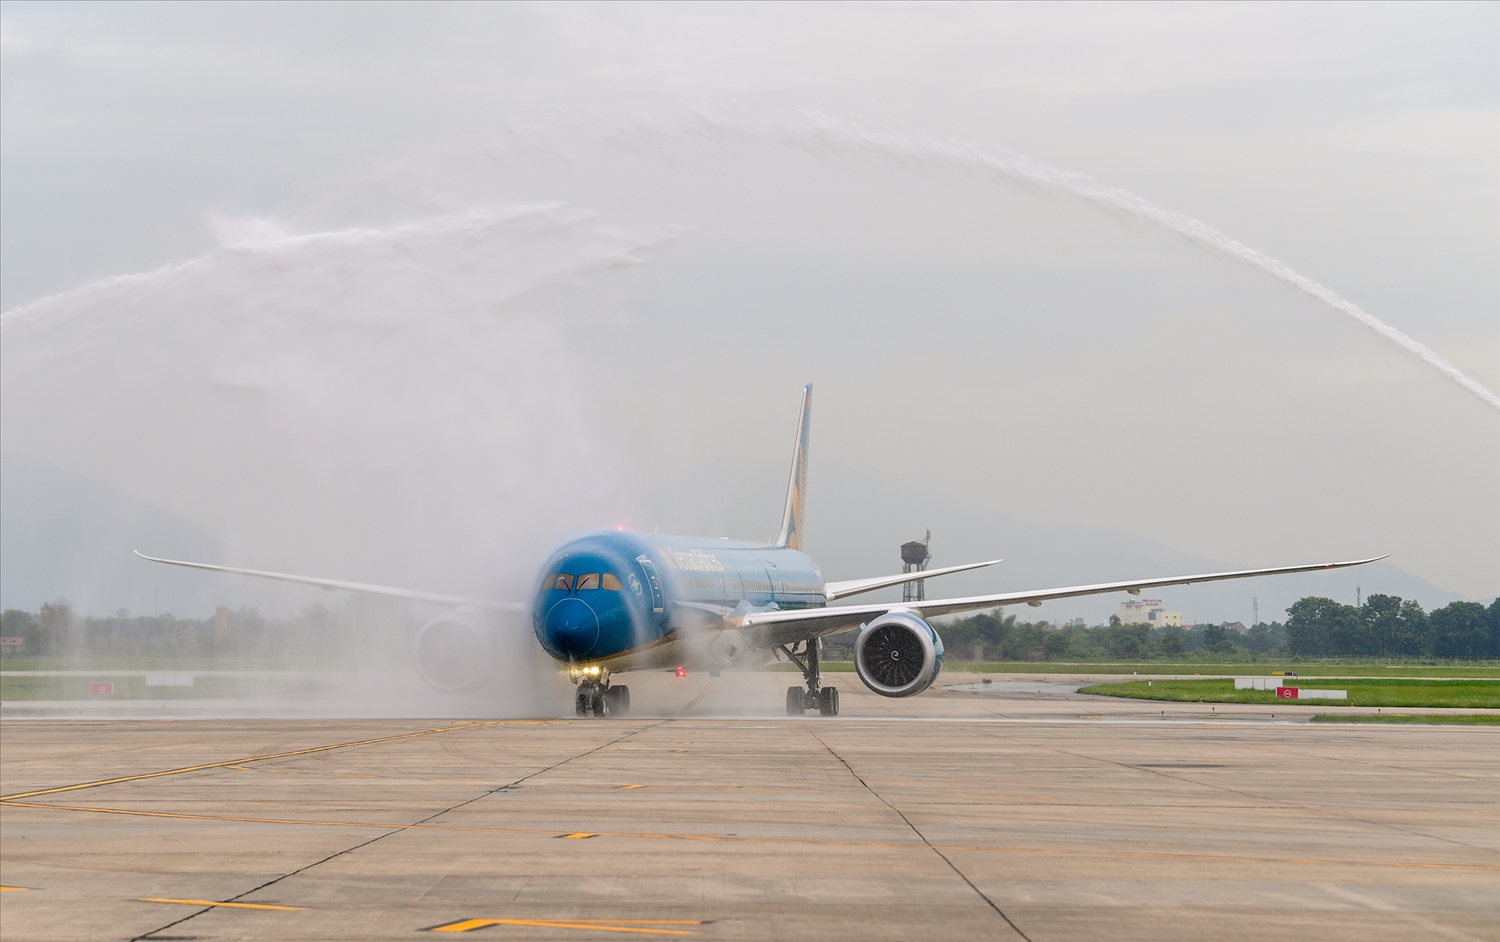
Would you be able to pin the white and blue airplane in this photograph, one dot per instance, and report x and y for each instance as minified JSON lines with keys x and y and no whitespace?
{"x":616,"y":601}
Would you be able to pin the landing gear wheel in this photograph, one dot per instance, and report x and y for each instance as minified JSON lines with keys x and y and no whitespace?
{"x":617,"y":701}
{"x":795,"y":701}
{"x":828,"y":701}
{"x":581,"y":704}
{"x":597,"y":702}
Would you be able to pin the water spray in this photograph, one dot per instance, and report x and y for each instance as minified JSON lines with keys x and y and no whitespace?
{"x":826,"y":130}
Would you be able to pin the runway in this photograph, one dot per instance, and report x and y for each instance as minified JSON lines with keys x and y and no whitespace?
{"x":954,"y":815}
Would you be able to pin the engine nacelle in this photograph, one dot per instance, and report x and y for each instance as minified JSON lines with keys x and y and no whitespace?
{"x":898,"y":655}
{"x":455,"y":652}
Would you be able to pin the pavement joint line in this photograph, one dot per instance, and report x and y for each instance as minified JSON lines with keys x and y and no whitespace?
{"x":230,"y":763}
{"x":1221,"y":858}
{"x":209,"y":902}
{"x":397,"y":828}
{"x":915,"y":830}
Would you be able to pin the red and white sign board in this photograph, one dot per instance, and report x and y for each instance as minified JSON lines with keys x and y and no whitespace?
{"x":102,"y":690}
{"x":1302,"y":693}
{"x":12,"y":642}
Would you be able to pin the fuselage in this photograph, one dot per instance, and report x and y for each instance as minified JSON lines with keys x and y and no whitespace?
{"x":621,"y":599}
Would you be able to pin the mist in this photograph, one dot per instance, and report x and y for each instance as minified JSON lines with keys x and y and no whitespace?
{"x":430,"y":359}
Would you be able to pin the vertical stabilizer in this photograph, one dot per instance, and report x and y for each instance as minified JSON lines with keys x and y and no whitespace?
{"x":796,"y":488}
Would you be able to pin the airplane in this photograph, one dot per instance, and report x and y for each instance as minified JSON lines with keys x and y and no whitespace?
{"x":616,"y":600}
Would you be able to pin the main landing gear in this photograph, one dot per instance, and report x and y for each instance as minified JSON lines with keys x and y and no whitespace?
{"x":596,"y":697}
{"x":815,"y":696}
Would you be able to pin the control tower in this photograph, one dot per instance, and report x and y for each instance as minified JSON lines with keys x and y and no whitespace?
{"x":914,"y":557}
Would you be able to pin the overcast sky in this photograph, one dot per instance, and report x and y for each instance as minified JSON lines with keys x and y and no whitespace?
{"x":425,"y":287}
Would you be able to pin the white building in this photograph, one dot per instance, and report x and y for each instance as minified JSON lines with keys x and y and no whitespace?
{"x":1148,"y":612}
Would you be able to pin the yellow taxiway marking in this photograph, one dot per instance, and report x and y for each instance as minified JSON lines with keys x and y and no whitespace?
{"x":641,"y":926}
{"x":632,"y":786}
{"x":578,"y":836}
{"x":209,"y":902}
{"x":14,"y":889}
{"x":230,"y":763}
{"x":792,"y":841}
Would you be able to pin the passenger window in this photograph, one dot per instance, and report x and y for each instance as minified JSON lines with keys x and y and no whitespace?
{"x":589,"y":580}
{"x":612,"y":582}
{"x":564,"y":582}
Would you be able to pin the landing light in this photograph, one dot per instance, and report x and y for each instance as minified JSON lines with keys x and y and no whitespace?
{"x":682,"y":672}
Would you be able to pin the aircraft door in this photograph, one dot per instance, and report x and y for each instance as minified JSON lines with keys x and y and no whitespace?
{"x":755,"y":580}
{"x":653,"y":581}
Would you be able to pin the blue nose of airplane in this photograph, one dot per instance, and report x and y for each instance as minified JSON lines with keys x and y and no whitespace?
{"x":573,"y":628}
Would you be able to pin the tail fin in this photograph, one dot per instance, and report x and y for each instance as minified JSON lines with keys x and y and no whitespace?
{"x":796,"y":488}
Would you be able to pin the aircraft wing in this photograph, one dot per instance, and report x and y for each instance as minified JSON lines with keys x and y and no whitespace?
{"x":783,"y":627}
{"x":839,"y":590}
{"x":335,"y":584}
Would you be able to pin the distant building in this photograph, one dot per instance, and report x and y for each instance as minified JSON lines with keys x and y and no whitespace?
{"x":1148,"y":612}
{"x":1234,"y":626}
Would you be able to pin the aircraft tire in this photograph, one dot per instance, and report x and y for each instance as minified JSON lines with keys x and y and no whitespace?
{"x":597,"y":702}
{"x":581,"y":705}
{"x":828,"y":701}
{"x":621,"y":702}
{"x":795,"y":701}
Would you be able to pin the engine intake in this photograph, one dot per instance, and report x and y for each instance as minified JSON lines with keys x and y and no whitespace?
{"x":898,"y":655}
{"x":455,"y":652}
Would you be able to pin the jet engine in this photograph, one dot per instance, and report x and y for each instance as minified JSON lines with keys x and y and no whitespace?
{"x":898,"y":655}
{"x":455,"y":652}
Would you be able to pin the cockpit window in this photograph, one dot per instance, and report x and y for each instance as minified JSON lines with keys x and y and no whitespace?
{"x":612,"y":582}
{"x":589,"y":580}
{"x":564,"y":581}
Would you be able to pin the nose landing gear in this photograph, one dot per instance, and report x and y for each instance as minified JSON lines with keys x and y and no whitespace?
{"x":815,"y":696}
{"x":596,"y":697}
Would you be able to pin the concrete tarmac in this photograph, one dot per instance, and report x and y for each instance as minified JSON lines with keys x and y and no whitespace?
{"x":1031,"y":812}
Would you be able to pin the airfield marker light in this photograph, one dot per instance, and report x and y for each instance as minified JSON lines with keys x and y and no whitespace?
{"x":682,"y":672}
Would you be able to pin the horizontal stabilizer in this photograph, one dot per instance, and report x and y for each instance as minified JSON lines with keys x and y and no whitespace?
{"x":335,"y":584}
{"x":840,"y":590}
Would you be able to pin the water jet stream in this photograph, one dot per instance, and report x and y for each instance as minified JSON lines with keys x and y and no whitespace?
{"x":822,"y":129}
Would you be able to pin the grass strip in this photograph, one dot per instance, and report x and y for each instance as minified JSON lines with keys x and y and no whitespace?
{"x":1363,"y":691}
{"x":1423,"y":719}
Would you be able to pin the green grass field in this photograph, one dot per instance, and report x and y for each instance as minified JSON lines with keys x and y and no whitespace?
{"x":13,"y":688}
{"x":1420,"y":719}
{"x":1363,"y":691}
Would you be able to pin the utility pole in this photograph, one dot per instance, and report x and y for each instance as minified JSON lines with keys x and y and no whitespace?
{"x":1357,"y":602}
{"x":1254,"y":612}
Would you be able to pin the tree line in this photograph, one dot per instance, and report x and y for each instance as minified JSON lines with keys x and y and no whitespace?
{"x":1384,"y":626}
{"x":1389,"y":626}
{"x":356,"y":632}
